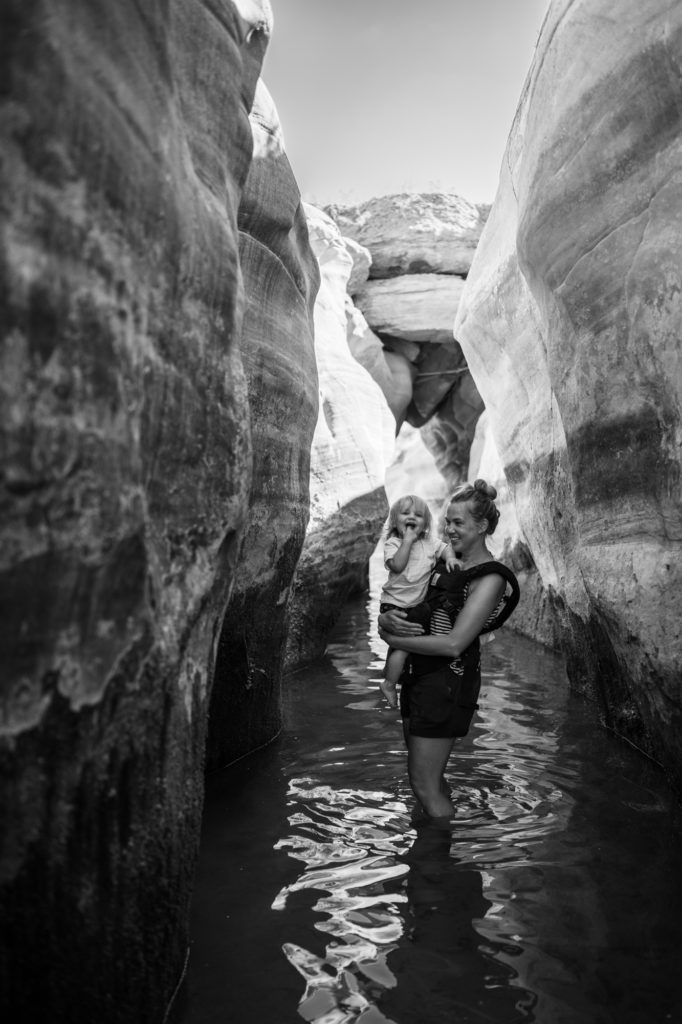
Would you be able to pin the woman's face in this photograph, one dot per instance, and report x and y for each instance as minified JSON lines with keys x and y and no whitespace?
{"x":461,"y":528}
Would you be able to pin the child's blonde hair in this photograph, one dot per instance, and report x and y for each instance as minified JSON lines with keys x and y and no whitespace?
{"x":406,"y":504}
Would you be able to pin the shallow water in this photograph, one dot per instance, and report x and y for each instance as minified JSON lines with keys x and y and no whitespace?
{"x":556,"y":896}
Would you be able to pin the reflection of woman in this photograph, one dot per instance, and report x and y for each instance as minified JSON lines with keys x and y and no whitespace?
{"x":439,"y":697}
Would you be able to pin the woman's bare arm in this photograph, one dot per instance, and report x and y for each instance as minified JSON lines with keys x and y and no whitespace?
{"x":484,"y":596}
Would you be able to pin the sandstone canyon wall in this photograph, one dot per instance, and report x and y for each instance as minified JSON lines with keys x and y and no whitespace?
{"x":128,"y":468}
{"x":570,"y":323}
{"x":352,"y":447}
{"x":281,"y":278}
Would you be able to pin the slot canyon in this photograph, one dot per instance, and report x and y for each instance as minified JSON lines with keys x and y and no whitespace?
{"x":207,"y":383}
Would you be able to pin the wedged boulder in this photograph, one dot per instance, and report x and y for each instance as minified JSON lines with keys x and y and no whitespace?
{"x":440,"y":372}
{"x":281,"y":279}
{"x":425,"y":233}
{"x":392,"y":371}
{"x":352,"y":445}
{"x":415,"y":307}
{"x":127,"y":461}
{"x":570,"y":325}
{"x":449,"y":432}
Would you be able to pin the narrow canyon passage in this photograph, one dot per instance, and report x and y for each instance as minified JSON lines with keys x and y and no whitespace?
{"x":555,"y":898}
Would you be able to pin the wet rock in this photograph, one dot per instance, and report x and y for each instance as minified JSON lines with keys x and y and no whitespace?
{"x":352,"y":445}
{"x":423,"y":233}
{"x":570,"y":324}
{"x":281,"y":279}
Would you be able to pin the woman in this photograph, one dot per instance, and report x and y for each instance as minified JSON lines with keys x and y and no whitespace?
{"x":439,"y":696}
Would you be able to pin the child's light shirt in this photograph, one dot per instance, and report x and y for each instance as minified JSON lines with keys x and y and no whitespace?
{"x":409,"y":587}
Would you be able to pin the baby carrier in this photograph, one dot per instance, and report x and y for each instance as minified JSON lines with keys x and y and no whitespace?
{"x":446,"y":587}
{"x":447,"y":593}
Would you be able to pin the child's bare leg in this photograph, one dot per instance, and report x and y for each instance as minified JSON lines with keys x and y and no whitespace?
{"x":395,"y":662}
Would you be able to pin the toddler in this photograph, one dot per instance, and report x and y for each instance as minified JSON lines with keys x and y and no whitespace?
{"x":410,"y":555}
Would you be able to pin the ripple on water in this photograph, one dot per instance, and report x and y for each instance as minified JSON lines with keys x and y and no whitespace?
{"x":555,"y":897}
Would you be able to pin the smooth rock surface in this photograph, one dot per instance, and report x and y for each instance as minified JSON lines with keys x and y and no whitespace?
{"x":414,"y":471}
{"x":449,"y":431}
{"x":570,"y":324}
{"x":391,"y":370}
{"x":414,"y":307}
{"x":281,"y":278}
{"x":361,"y":263}
{"x":126,"y":476}
{"x":352,"y":445}
{"x":423,"y":233}
{"x":534,"y":615}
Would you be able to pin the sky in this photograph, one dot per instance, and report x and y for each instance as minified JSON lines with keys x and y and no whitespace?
{"x":382,"y":96}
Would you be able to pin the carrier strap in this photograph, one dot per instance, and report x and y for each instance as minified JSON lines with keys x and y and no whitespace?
{"x":443,"y":582}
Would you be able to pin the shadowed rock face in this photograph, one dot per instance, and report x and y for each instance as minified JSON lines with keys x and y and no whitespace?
{"x":570,"y":323}
{"x":281,"y":278}
{"x":126,"y":475}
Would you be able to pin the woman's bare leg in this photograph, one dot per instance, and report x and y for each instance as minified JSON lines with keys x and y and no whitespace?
{"x":426,"y":761}
{"x":444,"y":785}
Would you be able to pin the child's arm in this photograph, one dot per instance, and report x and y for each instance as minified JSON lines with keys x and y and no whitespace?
{"x":451,"y":560}
{"x":402,"y":556}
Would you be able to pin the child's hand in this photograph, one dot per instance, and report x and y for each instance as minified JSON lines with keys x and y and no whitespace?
{"x":451,"y":562}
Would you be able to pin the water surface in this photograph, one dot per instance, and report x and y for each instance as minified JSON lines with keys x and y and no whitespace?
{"x":555,"y":897}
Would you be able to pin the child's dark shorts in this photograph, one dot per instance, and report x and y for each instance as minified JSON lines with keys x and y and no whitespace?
{"x":441,"y":704}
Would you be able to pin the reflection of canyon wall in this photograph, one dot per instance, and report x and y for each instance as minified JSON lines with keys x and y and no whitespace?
{"x":421,"y":248}
{"x":352,"y":446}
{"x":126,"y":425}
{"x":570,"y":323}
{"x":280,"y":279}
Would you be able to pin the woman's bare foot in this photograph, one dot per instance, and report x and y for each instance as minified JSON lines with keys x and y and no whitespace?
{"x":389,"y":691}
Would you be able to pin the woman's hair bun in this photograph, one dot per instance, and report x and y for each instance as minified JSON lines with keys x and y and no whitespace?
{"x":485,"y":488}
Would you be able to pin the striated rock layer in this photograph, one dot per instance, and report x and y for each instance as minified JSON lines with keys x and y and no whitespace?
{"x":570,"y":323}
{"x":352,"y":446}
{"x":126,"y":471}
{"x":281,"y":278}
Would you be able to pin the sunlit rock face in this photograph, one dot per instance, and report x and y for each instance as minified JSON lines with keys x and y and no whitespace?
{"x":126,"y":476}
{"x":415,"y":307}
{"x":428,"y":233}
{"x":414,"y":471}
{"x":352,"y":445}
{"x":281,"y":278}
{"x":570,"y":323}
{"x":534,"y":615}
{"x":391,"y":370}
{"x":421,"y":248}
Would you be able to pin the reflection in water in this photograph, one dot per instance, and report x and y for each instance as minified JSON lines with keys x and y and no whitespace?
{"x":554,"y":898}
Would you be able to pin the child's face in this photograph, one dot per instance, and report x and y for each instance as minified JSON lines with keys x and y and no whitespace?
{"x":412,"y":517}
